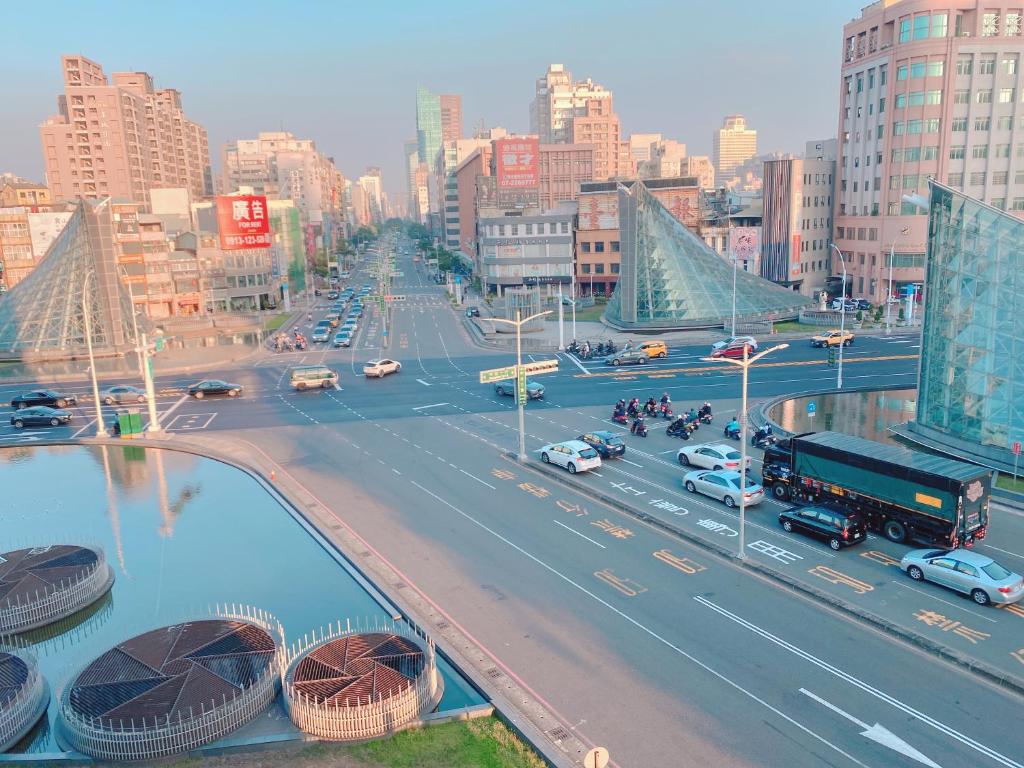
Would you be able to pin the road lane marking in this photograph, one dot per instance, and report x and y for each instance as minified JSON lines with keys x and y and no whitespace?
{"x":176,"y":406}
{"x":85,"y":427}
{"x":947,"y":602}
{"x":633,"y":463}
{"x":728,"y":371}
{"x":858,"y":683}
{"x":432,"y":405}
{"x":424,"y":383}
{"x":571,"y":530}
{"x":578,"y":364}
{"x":482,"y":482}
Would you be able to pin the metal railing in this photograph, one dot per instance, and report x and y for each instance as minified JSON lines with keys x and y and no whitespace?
{"x":57,"y":601}
{"x":345,"y":720}
{"x":21,"y":711}
{"x":106,"y":739}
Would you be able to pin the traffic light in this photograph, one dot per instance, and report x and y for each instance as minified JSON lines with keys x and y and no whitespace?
{"x":831,"y":357}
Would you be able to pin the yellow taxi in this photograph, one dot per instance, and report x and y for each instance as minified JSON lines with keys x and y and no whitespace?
{"x":654,"y":348}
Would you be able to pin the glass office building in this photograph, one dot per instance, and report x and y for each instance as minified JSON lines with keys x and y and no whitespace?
{"x":971,"y":389}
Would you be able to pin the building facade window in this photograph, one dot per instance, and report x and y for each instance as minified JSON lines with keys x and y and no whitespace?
{"x":979,"y":152}
{"x":964,"y":64}
{"x":989,"y":24}
{"x":982,"y":123}
{"x":957,"y":153}
{"x":987,"y":66}
{"x":1007,"y":95}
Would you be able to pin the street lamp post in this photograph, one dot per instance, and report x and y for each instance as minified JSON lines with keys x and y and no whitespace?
{"x":561,"y":321}
{"x":101,"y":428}
{"x":745,"y":364}
{"x":842,"y":319}
{"x":519,"y":322}
{"x":888,"y":298}
{"x":572,"y":290}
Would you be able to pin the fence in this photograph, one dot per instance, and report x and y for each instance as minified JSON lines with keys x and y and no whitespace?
{"x":19,"y":713}
{"x":827,"y":318}
{"x":345,"y":721}
{"x":106,"y":740}
{"x":59,"y":600}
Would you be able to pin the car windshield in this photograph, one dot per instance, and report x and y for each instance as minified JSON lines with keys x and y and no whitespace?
{"x":588,"y":453}
{"x":748,"y":483}
{"x":996,"y":572}
{"x":733,"y":455}
{"x":614,"y":441}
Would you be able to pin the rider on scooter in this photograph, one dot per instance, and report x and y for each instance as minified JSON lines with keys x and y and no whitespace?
{"x":634,"y":407}
{"x":705,"y":410}
{"x":733,"y":428}
{"x":763,"y":432}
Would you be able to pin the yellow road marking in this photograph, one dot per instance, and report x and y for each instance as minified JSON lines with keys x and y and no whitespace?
{"x":684,"y":564}
{"x":835,"y":577}
{"x":623,"y":585}
{"x":736,"y":370}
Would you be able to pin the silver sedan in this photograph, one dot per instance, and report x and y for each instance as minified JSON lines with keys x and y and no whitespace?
{"x":723,"y":485}
{"x":123,"y":393}
{"x":963,"y":570}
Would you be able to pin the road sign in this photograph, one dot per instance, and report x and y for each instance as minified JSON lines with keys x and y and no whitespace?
{"x":394,"y":297}
{"x":596,"y":758}
{"x":811,"y":408}
{"x":1016,"y":449}
{"x":458,"y":279}
{"x":543,"y":366}
{"x":497,"y":374}
{"x":521,"y":386}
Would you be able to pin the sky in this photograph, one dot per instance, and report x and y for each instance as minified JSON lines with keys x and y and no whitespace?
{"x":344,"y":73}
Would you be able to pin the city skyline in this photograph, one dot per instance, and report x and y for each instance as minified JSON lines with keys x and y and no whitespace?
{"x":322,"y":96}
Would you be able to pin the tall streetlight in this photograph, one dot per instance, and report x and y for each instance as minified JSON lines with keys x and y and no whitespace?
{"x":888,"y":298}
{"x":745,"y":364}
{"x":842,"y":319}
{"x":101,"y":428}
{"x":519,"y":322}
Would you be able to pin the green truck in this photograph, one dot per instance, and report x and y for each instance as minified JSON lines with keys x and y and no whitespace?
{"x":903,"y":494}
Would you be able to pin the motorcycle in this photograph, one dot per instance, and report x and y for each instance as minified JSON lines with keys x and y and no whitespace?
{"x":666,"y":411}
{"x":679,"y":429}
{"x":620,"y":417}
{"x":638,"y":427}
{"x":732,"y":434}
{"x":706,"y":417}
{"x":612,"y":349}
{"x":573,"y":347}
{"x":762,"y":439}
{"x":650,"y":409}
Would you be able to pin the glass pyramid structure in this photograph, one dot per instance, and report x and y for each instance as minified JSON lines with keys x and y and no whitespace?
{"x":669,"y":278}
{"x":43,"y":316}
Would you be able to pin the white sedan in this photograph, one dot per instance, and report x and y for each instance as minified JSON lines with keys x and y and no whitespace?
{"x":711,"y":456}
{"x":724,"y":486}
{"x":381,"y":368}
{"x":574,"y":455}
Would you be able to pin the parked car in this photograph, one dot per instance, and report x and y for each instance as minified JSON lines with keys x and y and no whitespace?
{"x":735,"y":340}
{"x":321,"y":333}
{"x":123,"y":393}
{"x":711,"y":456}
{"x":965,"y":571}
{"x":574,"y":455}
{"x":472,"y":311}
{"x":832,"y":338}
{"x":342,"y":339}
{"x":43,"y":397}
{"x":851,"y":305}
{"x":862,"y":304}
{"x":607,"y":444}
{"x":627,"y":357}
{"x":723,"y":485}
{"x":40,"y":416}
{"x":201,"y":389}
{"x":380,"y":368}
{"x":534,"y":389}
{"x":833,"y":524}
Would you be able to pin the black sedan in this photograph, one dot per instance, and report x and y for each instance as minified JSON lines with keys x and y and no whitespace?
{"x":201,"y":389}
{"x":40,"y":416}
{"x":43,"y":397}
{"x":607,"y":444}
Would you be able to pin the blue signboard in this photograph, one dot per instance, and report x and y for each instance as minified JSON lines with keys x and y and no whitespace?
{"x":811,"y":408}
{"x":458,"y":279}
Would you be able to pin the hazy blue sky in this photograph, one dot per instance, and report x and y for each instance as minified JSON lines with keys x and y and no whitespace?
{"x":344,"y":73}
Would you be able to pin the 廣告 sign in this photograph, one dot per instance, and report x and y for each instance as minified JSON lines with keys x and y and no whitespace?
{"x":242,"y":221}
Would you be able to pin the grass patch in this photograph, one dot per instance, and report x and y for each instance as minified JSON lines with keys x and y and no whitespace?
{"x":275,"y":322}
{"x":1010,"y":483}
{"x":785,"y":326}
{"x":583,"y":314}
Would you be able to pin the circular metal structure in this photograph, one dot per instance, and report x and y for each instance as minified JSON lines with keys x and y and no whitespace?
{"x":349,"y":685}
{"x":41,"y":585}
{"x":173,"y":689}
{"x":24,"y":696}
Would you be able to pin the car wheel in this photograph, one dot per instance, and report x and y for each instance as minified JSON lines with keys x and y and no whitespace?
{"x":718,"y":467}
{"x":834,"y":543}
{"x":690,"y":486}
{"x":141,"y":399}
{"x":616,"y":361}
{"x":19,"y":424}
{"x":729,"y":501}
{"x":300,"y":386}
{"x":780,"y":491}
{"x":62,"y":403}
{"x":684,"y":459}
{"x":663,"y":354}
{"x":894,"y":531}
{"x":54,"y":422}
{"x":199,"y":394}
{"x":915,"y":573}
{"x":499,"y":391}
{"x":642,"y":361}
{"x":980,"y":596}
{"x":545,"y":458}
{"x":108,"y":400}
{"x":572,"y":468}
{"x":847,"y":343}
{"x":232,"y":393}
{"x":398,"y":367}
{"x":787,"y":526}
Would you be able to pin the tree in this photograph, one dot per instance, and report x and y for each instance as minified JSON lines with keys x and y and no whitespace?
{"x":416,"y":231}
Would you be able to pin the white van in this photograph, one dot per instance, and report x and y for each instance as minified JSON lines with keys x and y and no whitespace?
{"x":312,"y":376}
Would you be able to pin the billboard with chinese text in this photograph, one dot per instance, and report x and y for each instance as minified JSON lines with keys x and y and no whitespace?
{"x":517,"y":161}
{"x":242,"y":221}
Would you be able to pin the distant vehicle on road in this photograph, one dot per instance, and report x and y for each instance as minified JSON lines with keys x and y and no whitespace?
{"x":607,"y":444}
{"x":334,"y":318}
{"x":734,"y":350}
{"x":735,"y":340}
{"x":380,"y":368}
{"x":832,"y":338}
{"x":970,"y":573}
{"x":206,"y":387}
{"x":724,"y":486}
{"x":342,"y":339}
{"x":332,"y":295}
{"x":312,"y":377}
{"x":574,"y":455}
{"x":838,"y":526}
{"x":654,"y":348}
{"x":40,"y":416}
{"x":711,"y":456}
{"x":472,"y":311}
{"x":123,"y":393}
{"x":43,"y":397}
{"x":534,"y":389}
{"x":321,"y":333}
{"x":627,"y":357}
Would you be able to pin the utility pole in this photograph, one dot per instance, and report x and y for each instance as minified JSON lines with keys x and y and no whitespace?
{"x":842,"y":319}
{"x":521,"y":395}
{"x":101,"y":428}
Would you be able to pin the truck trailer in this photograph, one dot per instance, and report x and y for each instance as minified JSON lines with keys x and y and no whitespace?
{"x":903,"y":494}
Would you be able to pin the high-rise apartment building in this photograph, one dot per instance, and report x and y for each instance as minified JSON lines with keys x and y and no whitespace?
{"x":448,"y":159}
{"x":557,"y":100}
{"x":928,"y":89}
{"x":412,"y":159}
{"x":734,"y":144}
{"x":640,"y":146}
{"x":599,"y":125}
{"x":120,"y":138}
{"x":438,"y":119}
{"x":451,"y":117}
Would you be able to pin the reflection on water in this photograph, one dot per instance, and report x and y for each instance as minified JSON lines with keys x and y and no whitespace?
{"x":182,"y":533}
{"x":865,"y":414}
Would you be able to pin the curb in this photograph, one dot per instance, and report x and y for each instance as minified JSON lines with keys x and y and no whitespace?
{"x":981,"y":669}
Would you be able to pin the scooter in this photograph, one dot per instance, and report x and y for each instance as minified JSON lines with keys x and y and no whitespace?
{"x":666,"y":411}
{"x":706,"y":418}
{"x":732,"y":434}
{"x":683,"y":431}
{"x":650,"y":410}
{"x":620,"y":417}
{"x":638,"y":427}
{"x":762,"y":440}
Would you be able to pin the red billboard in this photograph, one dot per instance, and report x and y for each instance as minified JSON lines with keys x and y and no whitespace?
{"x":517,"y":161}
{"x":242,"y":221}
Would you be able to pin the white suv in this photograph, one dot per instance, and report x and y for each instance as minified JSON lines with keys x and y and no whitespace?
{"x":380,"y":368}
{"x":574,"y":455}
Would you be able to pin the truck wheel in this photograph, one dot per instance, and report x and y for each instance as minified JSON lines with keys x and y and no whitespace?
{"x":894,"y":531}
{"x":780,"y":491}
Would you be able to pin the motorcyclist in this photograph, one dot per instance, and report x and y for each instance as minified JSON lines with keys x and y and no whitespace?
{"x":692,"y":415}
{"x":637,"y":427}
{"x":665,"y":399}
{"x":733,"y":427}
{"x":705,"y":410}
{"x":678,"y":425}
{"x":620,"y":410}
{"x":634,"y":407}
{"x":309,"y":317}
{"x":763,"y":432}
{"x":651,"y":405}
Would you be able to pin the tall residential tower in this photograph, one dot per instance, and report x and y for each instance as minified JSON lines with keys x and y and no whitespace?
{"x":734,"y":144}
